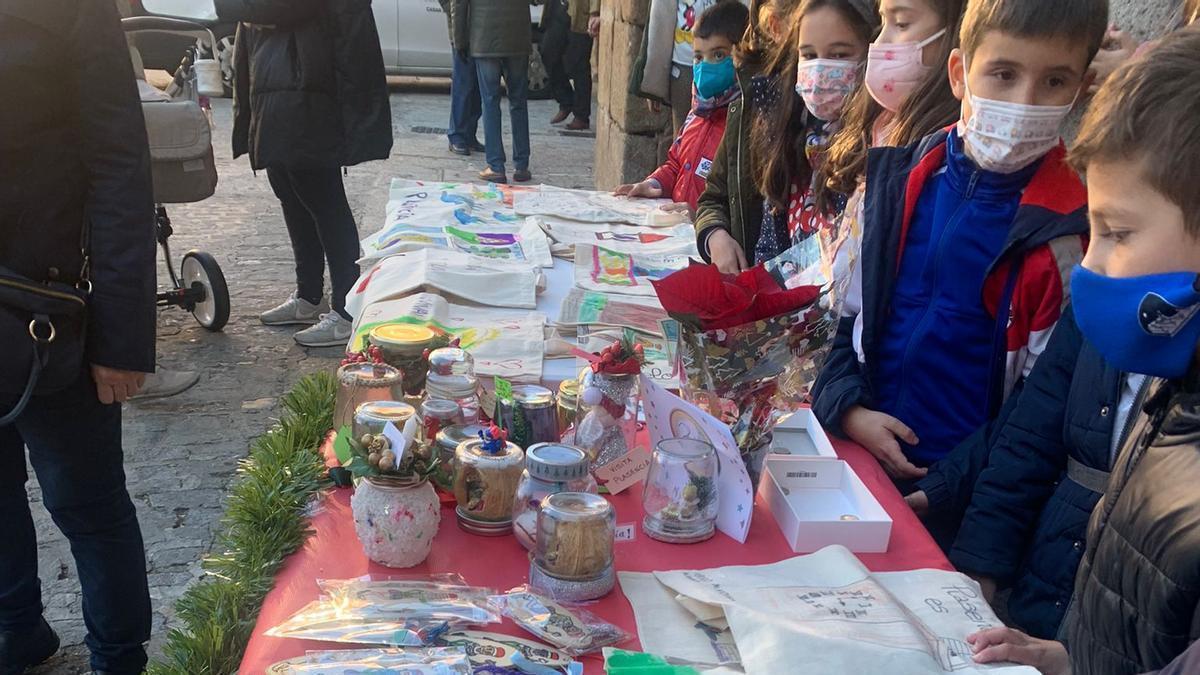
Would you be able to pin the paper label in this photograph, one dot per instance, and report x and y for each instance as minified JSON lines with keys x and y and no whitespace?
{"x":623,"y":472}
{"x":396,"y":439}
{"x":625,"y":533}
{"x":503,"y":389}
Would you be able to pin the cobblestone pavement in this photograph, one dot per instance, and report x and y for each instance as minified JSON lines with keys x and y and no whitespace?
{"x":181,"y":452}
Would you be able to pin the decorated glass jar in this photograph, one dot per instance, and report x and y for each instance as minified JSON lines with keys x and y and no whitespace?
{"x":437,"y":414}
{"x":486,"y":473}
{"x":531,"y":416}
{"x":452,"y":377}
{"x":372,"y":416}
{"x":404,"y":346}
{"x":609,"y":427}
{"x":568,"y":403}
{"x":550,"y":468}
{"x":361,"y":382}
{"x":573,"y":556}
{"x":446,"y":445}
{"x":680,"y":492}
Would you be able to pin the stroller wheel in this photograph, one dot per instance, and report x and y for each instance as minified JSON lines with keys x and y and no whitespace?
{"x":200,"y":272}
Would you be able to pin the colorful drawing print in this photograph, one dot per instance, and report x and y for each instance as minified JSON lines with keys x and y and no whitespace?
{"x":496,"y":245}
{"x":612,"y":268}
{"x":644,"y":238}
{"x":411,"y":236}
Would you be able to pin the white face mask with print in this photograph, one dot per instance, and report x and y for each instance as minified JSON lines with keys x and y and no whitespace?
{"x":1006,"y":137}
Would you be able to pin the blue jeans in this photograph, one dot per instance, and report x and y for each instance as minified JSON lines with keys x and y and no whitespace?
{"x":74,"y":445}
{"x":464,"y":102}
{"x":515,"y":70}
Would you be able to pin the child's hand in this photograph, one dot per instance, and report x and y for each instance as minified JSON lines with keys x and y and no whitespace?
{"x":1009,"y":644}
{"x":726,"y":253}
{"x":919,"y":502}
{"x":648,"y":189}
{"x":878,"y":433}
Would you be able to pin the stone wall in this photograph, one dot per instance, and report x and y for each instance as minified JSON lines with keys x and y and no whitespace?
{"x":630,"y":139}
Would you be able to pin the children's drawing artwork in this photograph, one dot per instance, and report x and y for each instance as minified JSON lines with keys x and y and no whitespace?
{"x":658,"y":365}
{"x":668,"y":416}
{"x":592,"y":207}
{"x":501,"y":245}
{"x":602,"y":269}
{"x":506,"y":343}
{"x":592,"y":307}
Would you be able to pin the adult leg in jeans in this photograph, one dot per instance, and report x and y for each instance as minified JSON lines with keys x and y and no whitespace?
{"x":578,"y":62}
{"x":302,"y":230}
{"x":516,"y":76}
{"x":75,"y":447}
{"x":489,"y":71}
{"x":321,"y":192}
{"x":464,"y":102}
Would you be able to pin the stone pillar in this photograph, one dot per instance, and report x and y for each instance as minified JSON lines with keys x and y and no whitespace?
{"x":1143,"y":19}
{"x":630,"y":140}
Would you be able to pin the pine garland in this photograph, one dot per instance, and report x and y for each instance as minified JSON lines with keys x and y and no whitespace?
{"x":265,"y":521}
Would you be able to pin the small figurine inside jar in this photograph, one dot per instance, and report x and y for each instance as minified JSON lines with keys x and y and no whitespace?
{"x":486,"y":473}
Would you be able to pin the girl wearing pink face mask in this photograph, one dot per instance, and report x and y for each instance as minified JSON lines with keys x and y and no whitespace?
{"x":905,"y":96}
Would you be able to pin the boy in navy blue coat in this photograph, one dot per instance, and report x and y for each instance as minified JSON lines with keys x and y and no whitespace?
{"x":969,"y":238}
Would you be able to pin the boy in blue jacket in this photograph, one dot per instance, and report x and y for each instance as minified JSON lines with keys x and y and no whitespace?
{"x":969,"y":238}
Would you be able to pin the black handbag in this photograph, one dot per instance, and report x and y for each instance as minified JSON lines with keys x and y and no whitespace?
{"x":43,"y":327}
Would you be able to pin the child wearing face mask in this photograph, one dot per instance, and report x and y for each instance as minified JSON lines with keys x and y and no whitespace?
{"x":690,"y":158}
{"x":810,"y":75}
{"x":970,"y":234}
{"x":1136,"y":300}
{"x":906,"y":96}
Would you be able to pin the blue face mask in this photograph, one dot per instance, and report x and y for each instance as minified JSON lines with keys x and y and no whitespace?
{"x":1142,"y":324}
{"x":713,"y":79}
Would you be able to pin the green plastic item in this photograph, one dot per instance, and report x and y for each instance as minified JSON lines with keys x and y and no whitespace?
{"x":618,"y":662}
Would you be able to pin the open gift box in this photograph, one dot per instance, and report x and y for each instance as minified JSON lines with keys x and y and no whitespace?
{"x":801,"y":435}
{"x":819,"y":501}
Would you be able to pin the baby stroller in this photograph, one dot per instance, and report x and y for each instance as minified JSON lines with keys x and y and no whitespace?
{"x":180,"y":133}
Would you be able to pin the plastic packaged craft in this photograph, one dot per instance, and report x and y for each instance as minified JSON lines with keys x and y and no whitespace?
{"x":396,"y":612}
{"x":497,"y":649}
{"x":571,"y":629}
{"x":353,"y":661}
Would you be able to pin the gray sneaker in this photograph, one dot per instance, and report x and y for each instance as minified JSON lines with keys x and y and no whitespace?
{"x":331,"y":331}
{"x":164,"y":382}
{"x":296,"y":311}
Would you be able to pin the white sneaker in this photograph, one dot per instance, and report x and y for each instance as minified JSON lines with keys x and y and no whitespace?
{"x":331,"y":331}
{"x":295,"y":311}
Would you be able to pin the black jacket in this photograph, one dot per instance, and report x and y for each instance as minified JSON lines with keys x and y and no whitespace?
{"x":309,"y":84}
{"x":1137,"y":594}
{"x":73,"y":154}
{"x":1027,"y":519}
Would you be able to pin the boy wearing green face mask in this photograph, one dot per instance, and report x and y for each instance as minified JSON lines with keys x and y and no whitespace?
{"x":684,"y":175}
{"x":1136,"y":298}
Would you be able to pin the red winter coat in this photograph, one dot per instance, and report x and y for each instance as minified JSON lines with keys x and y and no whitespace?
{"x":685,"y":173}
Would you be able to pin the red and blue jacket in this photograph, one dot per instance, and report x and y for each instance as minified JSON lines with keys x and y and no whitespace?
{"x":684,"y":175}
{"x":944,"y":337}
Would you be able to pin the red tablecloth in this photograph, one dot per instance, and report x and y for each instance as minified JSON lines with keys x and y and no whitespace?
{"x":333,"y":552}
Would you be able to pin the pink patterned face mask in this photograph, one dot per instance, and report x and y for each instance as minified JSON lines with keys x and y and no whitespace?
{"x":824,"y":85}
{"x":895,"y":70}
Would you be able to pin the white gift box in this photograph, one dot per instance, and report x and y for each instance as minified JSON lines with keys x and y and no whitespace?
{"x":820,"y":501}
{"x":800,"y":434}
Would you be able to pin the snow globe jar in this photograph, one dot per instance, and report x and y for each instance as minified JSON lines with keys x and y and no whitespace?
{"x":680,"y":492}
{"x":452,"y":377}
{"x":486,"y":472}
{"x":573,"y":556}
{"x":550,"y":468}
{"x":404,"y":347}
{"x":372,"y":416}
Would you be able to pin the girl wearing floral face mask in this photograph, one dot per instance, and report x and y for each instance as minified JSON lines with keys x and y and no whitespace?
{"x":801,"y":108}
{"x":905,"y":96}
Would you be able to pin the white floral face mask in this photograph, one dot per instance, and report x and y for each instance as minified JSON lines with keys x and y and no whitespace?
{"x":1007,"y":137}
{"x":824,"y":85}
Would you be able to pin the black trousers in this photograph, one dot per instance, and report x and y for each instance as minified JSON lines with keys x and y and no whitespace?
{"x":571,"y":76}
{"x":74,"y":445}
{"x":322,"y":229}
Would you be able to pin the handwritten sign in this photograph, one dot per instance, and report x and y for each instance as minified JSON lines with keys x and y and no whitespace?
{"x":625,"y":533}
{"x":623,"y":472}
